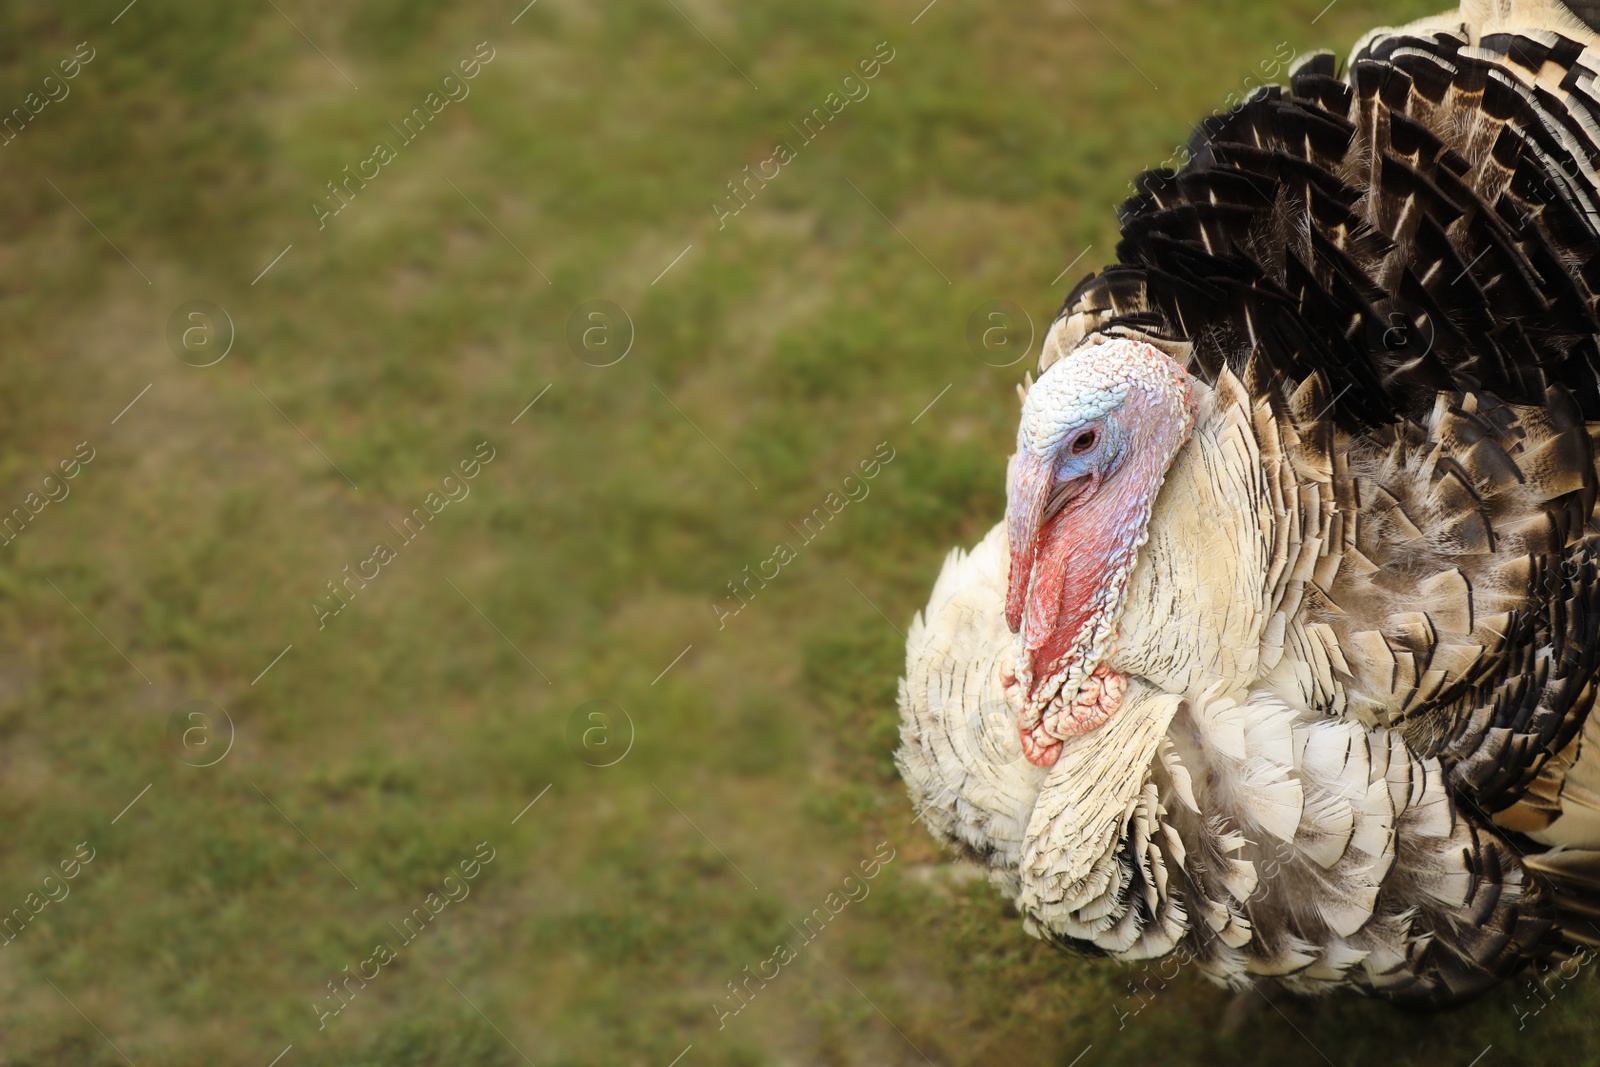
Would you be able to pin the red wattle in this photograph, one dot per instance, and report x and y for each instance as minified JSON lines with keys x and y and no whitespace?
{"x":1076,"y":553}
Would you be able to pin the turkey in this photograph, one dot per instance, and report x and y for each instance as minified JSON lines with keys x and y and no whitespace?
{"x":1283,"y":655}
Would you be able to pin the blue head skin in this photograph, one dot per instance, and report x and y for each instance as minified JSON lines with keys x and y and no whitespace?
{"x":1098,"y":432}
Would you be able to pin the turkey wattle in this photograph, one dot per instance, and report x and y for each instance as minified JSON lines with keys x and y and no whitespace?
{"x":1284,"y":652}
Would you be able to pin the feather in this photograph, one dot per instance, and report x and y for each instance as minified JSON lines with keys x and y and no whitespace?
{"x":1360,"y":641}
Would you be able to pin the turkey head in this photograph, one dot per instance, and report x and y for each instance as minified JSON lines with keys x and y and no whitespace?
{"x":1099,"y":430}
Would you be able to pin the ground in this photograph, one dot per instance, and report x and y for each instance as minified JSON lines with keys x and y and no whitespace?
{"x":673,"y":534}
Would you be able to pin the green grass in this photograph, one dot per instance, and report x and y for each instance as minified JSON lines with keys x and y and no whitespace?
{"x":408,"y":330}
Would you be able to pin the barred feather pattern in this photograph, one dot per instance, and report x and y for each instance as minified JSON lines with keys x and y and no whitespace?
{"x":1363,"y":636}
{"x":1253,"y":838}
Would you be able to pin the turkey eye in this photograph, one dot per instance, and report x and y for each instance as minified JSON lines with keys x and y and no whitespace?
{"x":1083,"y":442}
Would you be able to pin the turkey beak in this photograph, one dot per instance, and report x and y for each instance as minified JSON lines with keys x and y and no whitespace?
{"x":1027,"y":489}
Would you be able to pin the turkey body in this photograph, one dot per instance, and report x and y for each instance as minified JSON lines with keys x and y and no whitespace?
{"x":1361,"y":635}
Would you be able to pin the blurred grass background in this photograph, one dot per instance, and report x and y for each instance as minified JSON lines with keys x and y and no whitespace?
{"x":408,"y":330}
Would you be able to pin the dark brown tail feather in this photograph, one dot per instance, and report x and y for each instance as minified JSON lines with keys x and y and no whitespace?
{"x":1588,"y":11}
{"x":1574,"y":876}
